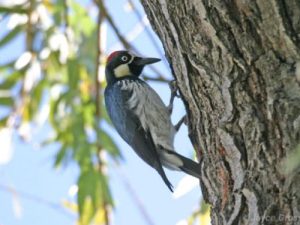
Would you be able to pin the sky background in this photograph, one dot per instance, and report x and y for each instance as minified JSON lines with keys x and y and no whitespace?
{"x":30,"y":170}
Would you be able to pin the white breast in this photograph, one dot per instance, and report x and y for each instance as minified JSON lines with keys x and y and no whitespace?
{"x":152,"y":112}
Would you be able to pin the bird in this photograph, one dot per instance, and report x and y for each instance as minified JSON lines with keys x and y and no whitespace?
{"x":140,"y":116}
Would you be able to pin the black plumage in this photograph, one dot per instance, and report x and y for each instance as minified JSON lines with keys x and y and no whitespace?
{"x":140,"y":116}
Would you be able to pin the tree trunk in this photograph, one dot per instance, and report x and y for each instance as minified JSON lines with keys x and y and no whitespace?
{"x":235,"y":63}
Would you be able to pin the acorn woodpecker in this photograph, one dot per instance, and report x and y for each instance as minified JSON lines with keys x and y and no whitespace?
{"x":140,"y":116}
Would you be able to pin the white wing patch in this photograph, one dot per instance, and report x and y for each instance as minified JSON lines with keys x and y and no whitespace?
{"x":170,"y":161}
{"x":122,"y":70}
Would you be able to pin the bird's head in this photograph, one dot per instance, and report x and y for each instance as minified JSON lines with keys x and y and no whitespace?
{"x":122,"y":64}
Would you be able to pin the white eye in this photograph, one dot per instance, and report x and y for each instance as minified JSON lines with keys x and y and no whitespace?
{"x":124,"y":58}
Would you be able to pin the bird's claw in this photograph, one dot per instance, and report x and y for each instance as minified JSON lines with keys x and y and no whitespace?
{"x":174,"y":88}
{"x":184,"y":120}
{"x":174,"y":93}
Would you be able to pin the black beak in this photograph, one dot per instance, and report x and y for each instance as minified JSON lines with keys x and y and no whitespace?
{"x":144,"y":61}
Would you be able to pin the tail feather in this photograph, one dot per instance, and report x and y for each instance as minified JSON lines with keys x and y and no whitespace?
{"x":156,"y":163}
{"x":161,"y":172}
{"x":189,"y":166}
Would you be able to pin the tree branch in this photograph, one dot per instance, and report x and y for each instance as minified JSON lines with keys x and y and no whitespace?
{"x":56,"y":206}
{"x":98,"y":109}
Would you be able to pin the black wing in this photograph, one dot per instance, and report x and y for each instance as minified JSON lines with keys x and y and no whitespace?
{"x":143,"y":145}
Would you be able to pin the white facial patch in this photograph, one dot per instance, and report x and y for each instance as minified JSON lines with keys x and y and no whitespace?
{"x":131,"y":59}
{"x":122,"y":70}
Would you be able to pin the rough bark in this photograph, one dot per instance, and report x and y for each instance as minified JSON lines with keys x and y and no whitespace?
{"x":235,"y":66}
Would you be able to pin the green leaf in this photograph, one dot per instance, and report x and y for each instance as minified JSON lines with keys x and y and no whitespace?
{"x":87,"y":25}
{"x":15,"y":9}
{"x":87,"y":51}
{"x":54,"y":104}
{"x":3,"y":121}
{"x":11,"y":35}
{"x":87,"y":211}
{"x":73,"y":73}
{"x":204,"y":207}
{"x":93,"y":194}
{"x":105,"y":191}
{"x":60,"y":155}
{"x":58,"y":12}
{"x":82,"y":152}
{"x":204,"y":216}
{"x":6,"y":101}
{"x":7,"y":65}
{"x":80,"y":19}
{"x":88,"y":113}
{"x":10,"y":81}
{"x":110,"y":145}
{"x":33,"y":101}
{"x":35,"y":98}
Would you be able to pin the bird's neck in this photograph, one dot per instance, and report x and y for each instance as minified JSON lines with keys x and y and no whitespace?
{"x":111,"y":78}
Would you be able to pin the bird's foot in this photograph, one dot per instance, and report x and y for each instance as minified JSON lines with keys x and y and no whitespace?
{"x":180,"y":122}
{"x":174,"y":88}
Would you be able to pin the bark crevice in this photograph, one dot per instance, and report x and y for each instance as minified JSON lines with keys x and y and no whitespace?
{"x":234,"y":63}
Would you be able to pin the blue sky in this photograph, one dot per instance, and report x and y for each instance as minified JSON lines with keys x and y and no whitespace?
{"x":31,"y":168}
